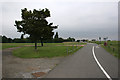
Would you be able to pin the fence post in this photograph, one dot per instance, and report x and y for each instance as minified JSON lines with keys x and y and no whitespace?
{"x":67,"y":50}
{"x":113,"y":49}
{"x":73,"y":47}
{"x":76,"y":46}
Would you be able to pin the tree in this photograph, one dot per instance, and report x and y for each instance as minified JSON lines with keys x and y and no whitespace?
{"x":100,"y":39}
{"x":93,"y":39}
{"x":78,"y":40}
{"x":22,"y":36}
{"x":10,"y":40}
{"x":4,"y":39}
{"x":70,"y":39}
{"x":56,"y":36}
{"x":105,"y":38}
{"x":0,"y":38}
{"x":83,"y":40}
{"x":58,"y":40}
{"x":34,"y":23}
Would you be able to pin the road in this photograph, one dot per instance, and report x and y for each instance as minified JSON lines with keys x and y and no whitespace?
{"x":82,"y":64}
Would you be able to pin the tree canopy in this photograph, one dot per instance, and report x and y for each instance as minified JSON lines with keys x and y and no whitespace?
{"x":35,"y":24}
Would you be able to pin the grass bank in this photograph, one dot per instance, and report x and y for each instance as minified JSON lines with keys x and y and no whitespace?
{"x":112,"y":47}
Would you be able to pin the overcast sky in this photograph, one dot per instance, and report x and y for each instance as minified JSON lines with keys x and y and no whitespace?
{"x":78,"y":19}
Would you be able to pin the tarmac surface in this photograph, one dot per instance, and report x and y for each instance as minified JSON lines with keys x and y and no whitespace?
{"x":83,"y":65}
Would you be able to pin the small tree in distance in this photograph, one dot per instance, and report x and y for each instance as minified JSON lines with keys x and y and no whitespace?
{"x":105,"y":38}
{"x":99,"y":40}
{"x":34,"y":23}
{"x":56,"y":35}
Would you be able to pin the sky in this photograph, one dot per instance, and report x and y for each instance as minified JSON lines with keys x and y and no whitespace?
{"x":80,"y":19}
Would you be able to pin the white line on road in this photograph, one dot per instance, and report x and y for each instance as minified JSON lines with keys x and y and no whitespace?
{"x":106,"y":74}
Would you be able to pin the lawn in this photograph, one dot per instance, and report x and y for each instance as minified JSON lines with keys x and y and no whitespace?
{"x":30,"y":52}
{"x":11,"y":45}
{"x":48,"y":50}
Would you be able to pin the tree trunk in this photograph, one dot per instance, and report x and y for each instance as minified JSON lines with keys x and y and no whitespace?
{"x":41,"y":43}
{"x":35,"y":45}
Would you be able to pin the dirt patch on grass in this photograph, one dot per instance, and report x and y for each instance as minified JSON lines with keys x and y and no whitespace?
{"x":9,"y":50}
{"x":74,"y":45}
{"x":70,"y":45}
{"x":38,"y":74}
{"x":31,"y":45}
{"x":68,"y":42}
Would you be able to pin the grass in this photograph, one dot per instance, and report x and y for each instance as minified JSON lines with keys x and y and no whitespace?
{"x":29,"y":52}
{"x":112,"y":47}
{"x":0,"y":46}
{"x":48,"y":50}
{"x":11,"y":45}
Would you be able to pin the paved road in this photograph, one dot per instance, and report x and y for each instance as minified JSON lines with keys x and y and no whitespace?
{"x":83,"y":65}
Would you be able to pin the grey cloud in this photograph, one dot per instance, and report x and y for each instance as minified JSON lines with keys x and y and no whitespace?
{"x":88,"y":19}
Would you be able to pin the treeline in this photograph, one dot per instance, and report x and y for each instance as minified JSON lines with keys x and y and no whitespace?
{"x":5,"y":39}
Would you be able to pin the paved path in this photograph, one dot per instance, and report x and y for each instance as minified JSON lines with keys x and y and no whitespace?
{"x":83,"y":65}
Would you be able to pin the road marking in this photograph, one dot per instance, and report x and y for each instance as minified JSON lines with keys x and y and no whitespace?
{"x":106,"y":74}
{"x":97,"y":46}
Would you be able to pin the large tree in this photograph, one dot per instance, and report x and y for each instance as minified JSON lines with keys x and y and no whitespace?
{"x":34,"y":23}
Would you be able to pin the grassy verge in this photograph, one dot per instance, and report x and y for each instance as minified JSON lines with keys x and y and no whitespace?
{"x":112,"y":50}
{"x":46,"y":51}
{"x":112,"y":47}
